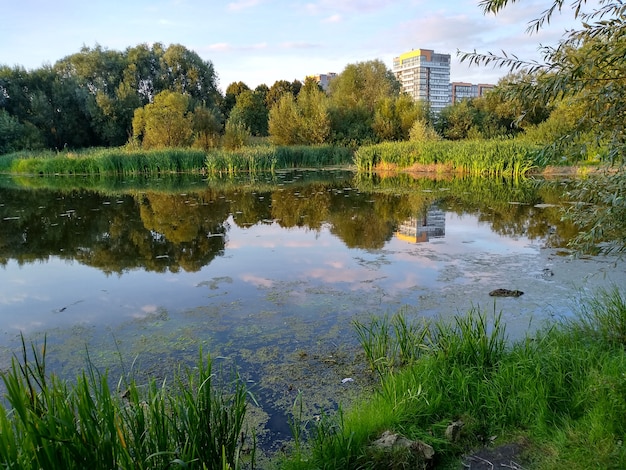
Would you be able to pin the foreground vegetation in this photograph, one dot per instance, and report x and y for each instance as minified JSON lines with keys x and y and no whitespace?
{"x":559,"y":395}
{"x":52,"y":424}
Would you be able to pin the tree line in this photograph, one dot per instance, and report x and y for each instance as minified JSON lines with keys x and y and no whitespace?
{"x":157,"y":96}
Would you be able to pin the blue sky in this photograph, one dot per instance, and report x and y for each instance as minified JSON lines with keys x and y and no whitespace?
{"x":261,"y":41}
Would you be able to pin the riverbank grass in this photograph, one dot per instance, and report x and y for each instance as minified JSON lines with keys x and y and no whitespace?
{"x":559,"y":395}
{"x":132,"y":161}
{"x":494,"y":157}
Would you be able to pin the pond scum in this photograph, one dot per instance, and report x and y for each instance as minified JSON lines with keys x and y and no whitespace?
{"x":496,"y":157}
{"x":559,"y":395}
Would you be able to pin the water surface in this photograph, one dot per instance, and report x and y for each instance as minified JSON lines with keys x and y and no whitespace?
{"x":268,"y":273}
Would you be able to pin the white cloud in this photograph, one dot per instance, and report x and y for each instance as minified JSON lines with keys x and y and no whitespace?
{"x":299,"y":45}
{"x":227,"y":47}
{"x":336,"y":18}
{"x":242,"y":5}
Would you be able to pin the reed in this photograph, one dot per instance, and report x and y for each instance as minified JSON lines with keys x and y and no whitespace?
{"x":255,"y":159}
{"x":100,"y":161}
{"x":53,"y":424}
{"x":496,"y":157}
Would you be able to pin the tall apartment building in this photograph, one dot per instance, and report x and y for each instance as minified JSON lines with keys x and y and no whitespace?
{"x":425,"y":75}
{"x":461,"y":91}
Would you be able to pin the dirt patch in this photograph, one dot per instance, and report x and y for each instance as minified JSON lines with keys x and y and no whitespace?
{"x":488,"y":458}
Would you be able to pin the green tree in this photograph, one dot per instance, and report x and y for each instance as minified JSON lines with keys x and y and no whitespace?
{"x":250,"y":111}
{"x":588,"y":64}
{"x":278,"y":89}
{"x":207,"y":126}
{"x":236,"y":134}
{"x":305,"y":120}
{"x":164,"y":123}
{"x":394,"y":117}
{"x":232,"y":92}
{"x":11,"y":132}
{"x":355,"y":95}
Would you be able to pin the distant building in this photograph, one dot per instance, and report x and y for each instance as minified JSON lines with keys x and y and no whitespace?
{"x":425,"y":75}
{"x":324,"y":79}
{"x":461,"y":91}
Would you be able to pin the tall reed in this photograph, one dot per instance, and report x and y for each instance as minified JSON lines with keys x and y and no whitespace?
{"x":496,"y":157}
{"x":255,"y":159}
{"x":52,"y":424}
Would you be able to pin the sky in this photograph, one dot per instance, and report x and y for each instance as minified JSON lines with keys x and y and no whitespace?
{"x":261,"y":41}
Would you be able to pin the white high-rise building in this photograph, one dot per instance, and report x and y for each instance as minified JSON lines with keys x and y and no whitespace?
{"x":425,"y":75}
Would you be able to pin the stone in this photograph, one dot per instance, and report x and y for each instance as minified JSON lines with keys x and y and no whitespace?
{"x":505,"y":293}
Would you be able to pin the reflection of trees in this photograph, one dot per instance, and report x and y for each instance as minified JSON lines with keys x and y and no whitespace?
{"x":368,"y":220}
{"x":107,"y":232}
{"x":160,"y":231}
{"x":303,"y":206}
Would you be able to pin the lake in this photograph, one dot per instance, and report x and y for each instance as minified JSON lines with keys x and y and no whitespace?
{"x":268,"y":273}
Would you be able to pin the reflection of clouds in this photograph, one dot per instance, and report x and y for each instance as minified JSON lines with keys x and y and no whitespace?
{"x":12,"y":299}
{"x":345,"y":275}
{"x":336,"y":264}
{"x":256,"y":280}
{"x":145,"y":311}
{"x":27,"y":327}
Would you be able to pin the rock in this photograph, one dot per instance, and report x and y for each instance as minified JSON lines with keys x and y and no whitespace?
{"x":505,"y":293}
{"x":389,"y":440}
{"x":453,"y":432}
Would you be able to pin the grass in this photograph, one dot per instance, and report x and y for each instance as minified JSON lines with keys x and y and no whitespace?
{"x":495,"y":157}
{"x":52,"y":424}
{"x":130,"y":161}
{"x":561,"y":393}
{"x":100,"y":161}
{"x":269,"y":158}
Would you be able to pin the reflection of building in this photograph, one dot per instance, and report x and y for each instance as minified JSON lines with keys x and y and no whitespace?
{"x":425,"y":75}
{"x":431,"y":224}
{"x":461,"y":91}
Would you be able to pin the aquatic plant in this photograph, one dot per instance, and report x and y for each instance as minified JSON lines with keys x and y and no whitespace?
{"x":255,"y":159}
{"x":495,"y":157}
{"x":122,"y":161}
{"x":50,"y":423}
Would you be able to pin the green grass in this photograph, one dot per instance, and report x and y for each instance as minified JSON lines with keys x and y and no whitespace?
{"x":52,"y":424}
{"x":256,"y":159}
{"x":561,"y":392}
{"x":130,"y":161}
{"x":113,"y":161}
{"x":495,"y":157}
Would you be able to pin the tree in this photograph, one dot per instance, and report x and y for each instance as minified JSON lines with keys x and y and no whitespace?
{"x":250,"y":111}
{"x":588,"y":64}
{"x":207,"y":125}
{"x":232,"y":92}
{"x":11,"y":131}
{"x":355,"y":94}
{"x":279,"y":88}
{"x":304,"y":120}
{"x":394,"y":117}
{"x":164,"y":123}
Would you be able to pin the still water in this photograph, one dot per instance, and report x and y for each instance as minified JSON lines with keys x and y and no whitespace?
{"x":269,"y":273}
